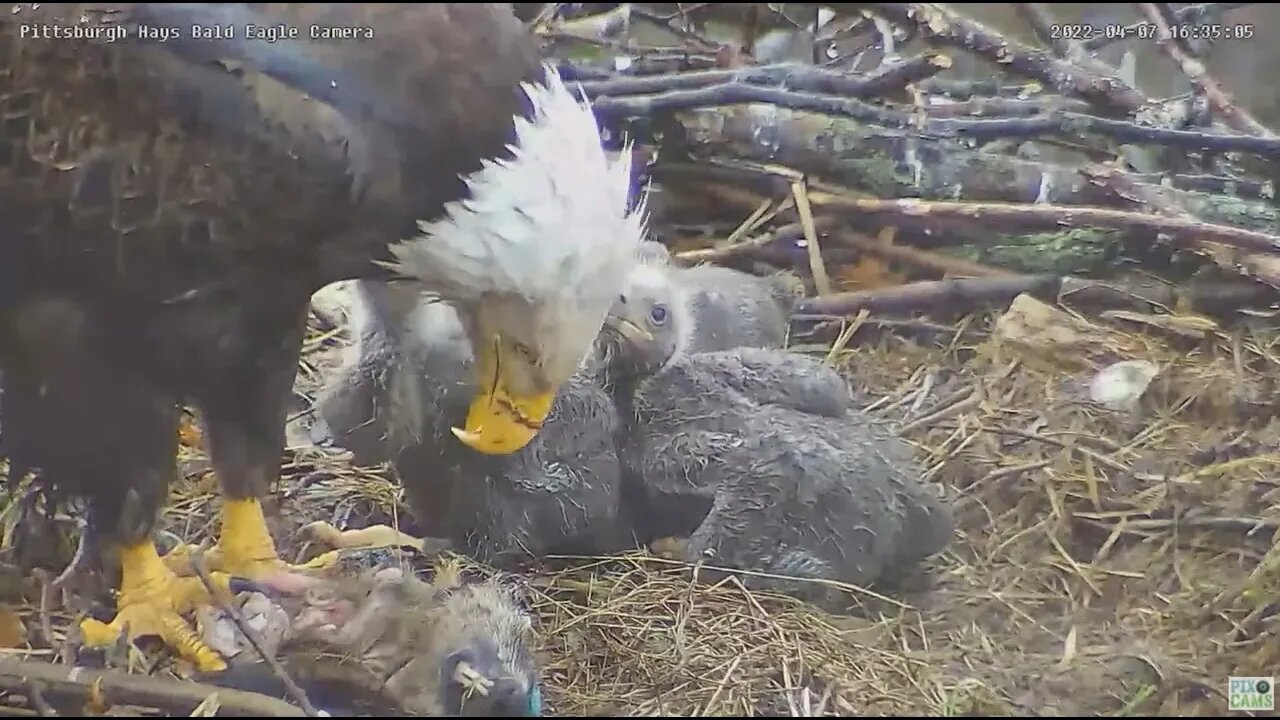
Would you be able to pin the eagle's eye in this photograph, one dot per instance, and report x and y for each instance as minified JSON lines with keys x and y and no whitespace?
{"x":525,"y":352}
{"x":658,"y":314}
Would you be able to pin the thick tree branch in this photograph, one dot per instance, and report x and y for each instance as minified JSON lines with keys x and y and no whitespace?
{"x":1070,"y":124}
{"x":734,"y":93}
{"x":935,"y":262}
{"x":1187,"y":15}
{"x":788,"y":76}
{"x":966,"y":89}
{"x":1263,"y":266}
{"x":959,"y":294}
{"x":1232,"y":114}
{"x":1057,"y":123}
{"x":962,"y":295}
{"x":1185,"y":230}
{"x":1042,"y":24}
{"x":944,"y":27}
{"x":1212,"y":184}
{"x":175,"y":697}
{"x":892,"y":163}
{"x":1006,"y":107}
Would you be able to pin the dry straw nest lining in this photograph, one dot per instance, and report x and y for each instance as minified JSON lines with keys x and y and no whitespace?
{"x":1105,"y":561}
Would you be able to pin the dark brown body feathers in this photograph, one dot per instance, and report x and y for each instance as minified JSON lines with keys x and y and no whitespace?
{"x":179,"y":202}
{"x":155,"y":168}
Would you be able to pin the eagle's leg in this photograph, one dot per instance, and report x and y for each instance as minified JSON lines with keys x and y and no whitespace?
{"x":151,"y":599}
{"x":244,"y":416}
{"x":65,"y":377}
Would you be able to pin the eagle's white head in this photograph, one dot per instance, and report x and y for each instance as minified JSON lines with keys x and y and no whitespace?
{"x":532,"y":260}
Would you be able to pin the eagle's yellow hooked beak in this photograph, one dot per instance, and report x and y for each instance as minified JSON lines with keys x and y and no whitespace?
{"x":500,"y":422}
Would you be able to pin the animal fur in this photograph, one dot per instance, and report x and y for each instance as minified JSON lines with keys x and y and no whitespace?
{"x":386,"y":640}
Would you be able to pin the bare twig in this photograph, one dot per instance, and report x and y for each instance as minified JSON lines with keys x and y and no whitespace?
{"x":817,"y":267}
{"x":1247,"y":525}
{"x":1195,"y":71}
{"x":1188,"y":14}
{"x":668,"y":22}
{"x":944,"y":26}
{"x":783,"y":75}
{"x":177,"y":697}
{"x":1243,"y":188}
{"x":1006,"y":107}
{"x":295,"y":692}
{"x":955,"y":295}
{"x":1180,"y":228}
{"x":646,"y":63}
{"x":852,"y":154}
{"x":1265,"y":267}
{"x":1042,"y":23}
{"x":782,"y":233}
{"x":733,"y":93}
{"x":35,"y":691}
{"x":46,"y":623}
{"x":966,"y":89}
{"x":936,"y":262}
{"x":1056,"y":123}
{"x":1071,"y":124}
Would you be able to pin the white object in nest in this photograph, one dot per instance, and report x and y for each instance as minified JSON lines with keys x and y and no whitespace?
{"x":266,"y":618}
{"x":1119,"y":386}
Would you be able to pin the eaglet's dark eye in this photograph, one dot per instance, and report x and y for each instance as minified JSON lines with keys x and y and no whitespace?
{"x":658,"y":314}
{"x":524,"y":351}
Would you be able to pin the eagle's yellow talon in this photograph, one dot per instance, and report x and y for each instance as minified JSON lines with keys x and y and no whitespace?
{"x":152,"y":601}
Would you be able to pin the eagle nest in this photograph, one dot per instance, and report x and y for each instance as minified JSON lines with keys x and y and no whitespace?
{"x":1106,"y":560}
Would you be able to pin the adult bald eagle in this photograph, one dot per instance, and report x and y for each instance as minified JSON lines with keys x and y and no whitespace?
{"x":169,"y":203}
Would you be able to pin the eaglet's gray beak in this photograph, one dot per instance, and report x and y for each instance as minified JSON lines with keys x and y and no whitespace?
{"x":630,"y":331}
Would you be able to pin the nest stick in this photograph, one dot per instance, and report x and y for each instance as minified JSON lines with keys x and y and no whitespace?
{"x":733,"y":92}
{"x":175,"y":697}
{"x":295,"y":692}
{"x":950,"y":294}
{"x":925,"y":259}
{"x":1057,"y":123}
{"x":1188,"y":14}
{"x":1232,"y":114}
{"x":970,"y":89}
{"x":35,"y":691}
{"x":1006,"y":107}
{"x":783,"y":75}
{"x":1070,"y":124}
{"x":817,"y":267}
{"x":782,"y":233}
{"x":946,"y":27}
{"x":1012,"y":215}
{"x":1042,"y":22}
{"x":1151,"y":196}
